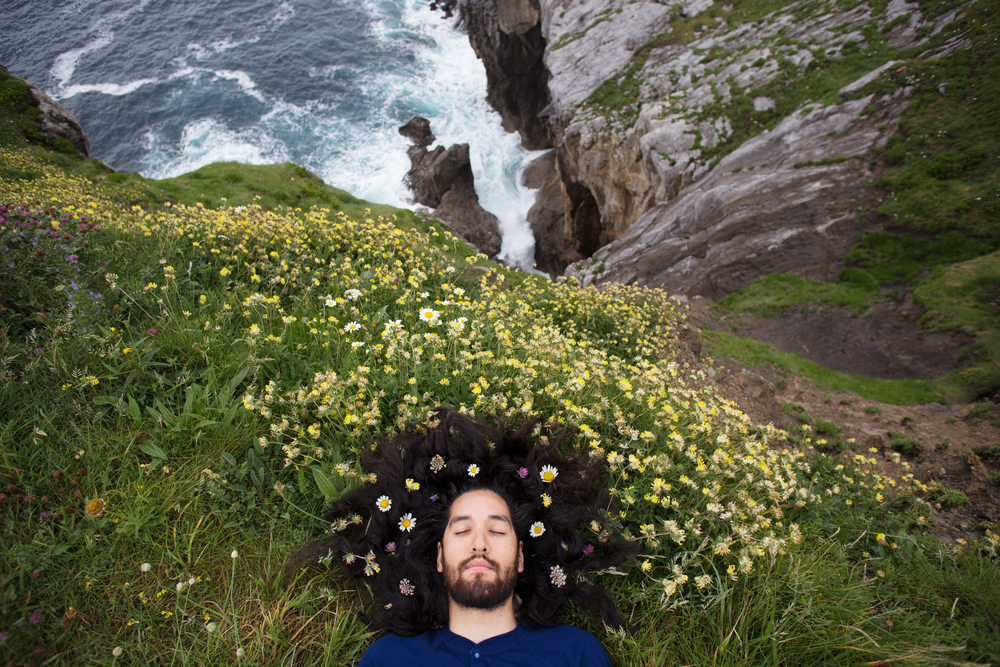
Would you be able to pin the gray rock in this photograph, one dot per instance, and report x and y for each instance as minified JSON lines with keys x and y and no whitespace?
{"x":517,"y":16}
{"x":432,"y":173}
{"x":617,"y":165}
{"x":58,"y":121}
{"x":763,"y":104}
{"x":724,"y":231}
{"x":539,"y":171}
{"x":478,"y":227}
{"x":855,"y":86}
{"x":515,"y":71}
{"x":443,"y":179}
{"x":418,"y":130}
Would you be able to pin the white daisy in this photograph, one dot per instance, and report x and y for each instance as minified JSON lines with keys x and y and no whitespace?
{"x":407,"y":522}
{"x":537,"y":529}
{"x":383,"y":503}
{"x":549,"y":473}
{"x":428,"y":314}
{"x":330,"y":303}
{"x":473,"y":470}
{"x":352,"y":326}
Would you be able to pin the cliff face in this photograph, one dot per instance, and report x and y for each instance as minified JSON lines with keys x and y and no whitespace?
{"x":680,"y":131}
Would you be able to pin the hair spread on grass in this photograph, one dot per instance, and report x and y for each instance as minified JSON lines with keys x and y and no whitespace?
{"x":399,"y":566}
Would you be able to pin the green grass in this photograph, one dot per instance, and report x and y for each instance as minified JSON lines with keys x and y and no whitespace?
{"x":773,"y":294}
{"x":901,"y":392}
{"x":905,"y":445}
{"x":939,"y":209}
{"x":184,"y":364}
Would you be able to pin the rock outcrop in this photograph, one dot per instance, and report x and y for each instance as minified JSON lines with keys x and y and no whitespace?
{"x":507,"y":37}
{"x":784,"y":202}
{"x":442,"y":179}
{"x":646,"y":97}
{"x":57,"y":121}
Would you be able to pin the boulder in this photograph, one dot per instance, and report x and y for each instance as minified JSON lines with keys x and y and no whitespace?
{"x":442,"y":179}
{"x":517,"y":16}
{"x":432,"y":173}
{"x":58,"y":121}
{"x":418,"y":130}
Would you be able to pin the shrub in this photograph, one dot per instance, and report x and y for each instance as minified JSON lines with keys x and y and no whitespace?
{"x":905,"y":445}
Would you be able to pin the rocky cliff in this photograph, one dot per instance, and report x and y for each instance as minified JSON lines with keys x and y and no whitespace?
{"x":699,"y":145}
{"x":54,"y":120}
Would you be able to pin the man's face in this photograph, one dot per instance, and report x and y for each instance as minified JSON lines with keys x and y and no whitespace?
{"x":479,"y":553}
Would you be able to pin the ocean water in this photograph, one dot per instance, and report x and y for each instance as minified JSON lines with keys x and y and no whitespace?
{"x":163,"y":87}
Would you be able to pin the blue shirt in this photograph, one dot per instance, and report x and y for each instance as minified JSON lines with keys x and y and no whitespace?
{"x":560,"y":646}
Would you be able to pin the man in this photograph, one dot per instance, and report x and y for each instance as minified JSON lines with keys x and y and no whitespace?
{"x":470,"y":538}
{"x":479,"y":557}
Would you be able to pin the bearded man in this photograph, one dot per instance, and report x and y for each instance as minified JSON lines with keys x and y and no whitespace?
{"x":475,"y":536}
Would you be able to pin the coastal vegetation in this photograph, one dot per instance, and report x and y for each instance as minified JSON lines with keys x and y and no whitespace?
{"x":929,"y":229}
{"x":190,"y":368}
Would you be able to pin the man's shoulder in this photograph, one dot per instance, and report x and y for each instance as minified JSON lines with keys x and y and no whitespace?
{"x":391,"y":649}
{"x":570,"y":644}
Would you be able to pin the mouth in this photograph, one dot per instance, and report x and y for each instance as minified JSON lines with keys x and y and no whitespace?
{"x":478,"y":565}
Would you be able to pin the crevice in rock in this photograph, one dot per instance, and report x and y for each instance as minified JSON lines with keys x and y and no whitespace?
{"x":512,"y":52}
{"x":584,"y":217}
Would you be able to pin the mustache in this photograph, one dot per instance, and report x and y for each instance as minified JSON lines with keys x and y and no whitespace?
{"x":465,"y":563}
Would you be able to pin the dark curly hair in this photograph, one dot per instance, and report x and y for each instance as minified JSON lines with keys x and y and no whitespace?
{"x":399,"y":565}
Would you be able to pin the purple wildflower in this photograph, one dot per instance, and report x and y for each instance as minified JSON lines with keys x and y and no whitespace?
{"x":522,"y":473}
{"x":390,"y":547}
{"x":588,"y":550}
{"x":37,"y":616}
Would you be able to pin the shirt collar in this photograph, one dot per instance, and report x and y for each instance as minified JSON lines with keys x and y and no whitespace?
{"x":491,"y":645}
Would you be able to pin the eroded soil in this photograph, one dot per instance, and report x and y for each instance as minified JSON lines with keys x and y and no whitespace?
{"x":947,"y":432}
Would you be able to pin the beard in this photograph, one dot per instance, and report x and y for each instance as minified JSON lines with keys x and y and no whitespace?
{"x":478,"y":591}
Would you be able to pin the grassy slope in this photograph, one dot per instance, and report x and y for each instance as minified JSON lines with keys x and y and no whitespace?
{"x":164,"y":358}
{"x":935,"y":232}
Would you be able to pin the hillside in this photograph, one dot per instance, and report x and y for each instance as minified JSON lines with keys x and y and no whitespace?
{"x":781,"y":158}
{"x":189,"y":373}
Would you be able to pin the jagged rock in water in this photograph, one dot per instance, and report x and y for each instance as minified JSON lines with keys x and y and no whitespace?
{"x":418,"y":130}
{"x":460,"y":208}
{"x":442,"y":179}
{"x":432,"y":173}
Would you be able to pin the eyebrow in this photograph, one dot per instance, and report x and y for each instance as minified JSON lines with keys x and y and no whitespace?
{"x":492,"y":517}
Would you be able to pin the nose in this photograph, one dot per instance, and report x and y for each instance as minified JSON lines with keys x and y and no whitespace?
{"x":479,"y":543}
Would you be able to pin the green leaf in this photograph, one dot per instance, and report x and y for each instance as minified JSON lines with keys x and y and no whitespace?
{"x":133,"y":411}
{"x":153,"y":450}
{"x":326,"y":486}
{"x":235,"y":382}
